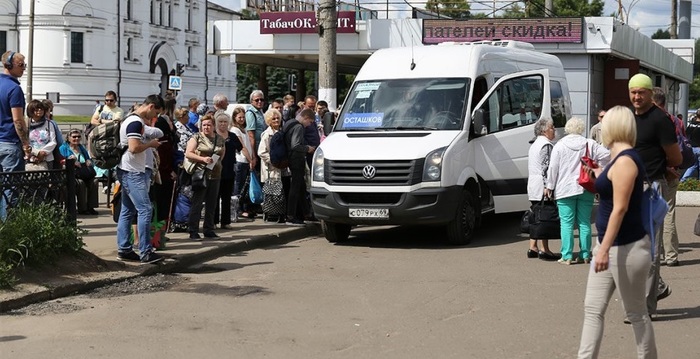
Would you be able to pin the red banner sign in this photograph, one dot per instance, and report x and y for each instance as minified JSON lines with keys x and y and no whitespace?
{"x":302,"y":22}
{"x":529,"y":30}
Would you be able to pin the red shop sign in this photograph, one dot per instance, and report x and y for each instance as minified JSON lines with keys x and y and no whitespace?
{"x":303,"y":22}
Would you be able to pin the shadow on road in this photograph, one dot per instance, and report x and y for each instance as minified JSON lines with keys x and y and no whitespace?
{"x":496,"y":229}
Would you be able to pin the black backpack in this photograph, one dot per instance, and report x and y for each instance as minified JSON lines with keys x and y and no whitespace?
{"x":279,"y":155}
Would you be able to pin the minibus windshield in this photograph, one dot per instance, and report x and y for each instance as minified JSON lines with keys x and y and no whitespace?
{"x":405,"y":104}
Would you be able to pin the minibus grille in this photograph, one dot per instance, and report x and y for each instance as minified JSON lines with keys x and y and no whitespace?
{"x":374,"y":173}
{"x":370,"y":198}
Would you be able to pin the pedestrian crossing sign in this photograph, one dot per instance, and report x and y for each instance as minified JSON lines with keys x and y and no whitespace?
{"x":175,"y":83}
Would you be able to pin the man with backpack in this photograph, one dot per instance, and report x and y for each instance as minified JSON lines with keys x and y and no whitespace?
{"x":297,"y":150}
{"x":135,"y":181}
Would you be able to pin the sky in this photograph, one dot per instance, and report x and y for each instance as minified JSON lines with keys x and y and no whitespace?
{"x":645,"y":15}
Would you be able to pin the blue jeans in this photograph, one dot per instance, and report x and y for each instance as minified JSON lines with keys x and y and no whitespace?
{"x":135,"y":201}
{"x":576,"y":210}
{"x":11,"y":160}
{"x":694,"y":170}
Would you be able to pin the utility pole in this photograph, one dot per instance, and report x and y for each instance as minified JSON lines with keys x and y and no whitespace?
{"x":327,"y":67}
{"x":30,"y":53}
{"x":673,"y":30}
{"x":548,"y":8}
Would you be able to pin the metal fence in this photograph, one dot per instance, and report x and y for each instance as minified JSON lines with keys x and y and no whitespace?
{"x":52,"y":186}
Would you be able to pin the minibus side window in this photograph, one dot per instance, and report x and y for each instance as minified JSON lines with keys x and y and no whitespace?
{"x":558,"y":104}
{"x":516,"y":102}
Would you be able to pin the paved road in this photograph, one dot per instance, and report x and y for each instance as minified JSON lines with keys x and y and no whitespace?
{"x":390,"y":293}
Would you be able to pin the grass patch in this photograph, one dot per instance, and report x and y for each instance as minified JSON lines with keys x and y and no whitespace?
{"x":67,"y":119}
{"x":35,"y":236}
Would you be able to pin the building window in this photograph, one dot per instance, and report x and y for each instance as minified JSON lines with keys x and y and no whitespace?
{"x":169,"y":20}
{"x":76,"y":47}
{"x":189,"y":55}
{"x":3,"y":42}
{"x":160,"y":14}
{"x":219,"y":65}
{"x":189,"y":18}
{"x":130,"y":48}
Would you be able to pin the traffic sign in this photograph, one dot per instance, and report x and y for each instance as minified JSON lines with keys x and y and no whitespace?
{"x":175,"y":83}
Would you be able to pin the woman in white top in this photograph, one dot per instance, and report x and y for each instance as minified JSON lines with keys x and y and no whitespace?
{"x":42,"y":137}
{"x":245,"y":161}
{"x":575,"y":204}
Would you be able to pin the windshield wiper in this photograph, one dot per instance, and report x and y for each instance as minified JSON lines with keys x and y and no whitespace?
{"x":405,"y":128}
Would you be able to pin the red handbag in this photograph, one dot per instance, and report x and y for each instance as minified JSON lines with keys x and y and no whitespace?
{"x":586,"y":180}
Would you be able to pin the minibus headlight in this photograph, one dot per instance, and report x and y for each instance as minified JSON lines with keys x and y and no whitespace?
{"x":433,"y":165}
{"x":318,"y":165}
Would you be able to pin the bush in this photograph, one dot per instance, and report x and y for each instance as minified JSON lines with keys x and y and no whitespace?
{"x":691,"y":184}
{"x":35,"y":235}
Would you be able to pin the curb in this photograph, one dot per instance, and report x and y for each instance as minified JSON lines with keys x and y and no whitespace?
{"x":180,"y":261}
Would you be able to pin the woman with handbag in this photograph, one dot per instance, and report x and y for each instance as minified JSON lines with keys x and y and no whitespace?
{"x":622,"y":256}
{"x":575,"y":204}
{"x":538,"y":162}
{"x":275,"y":181}
{"x":85,"y":174}
{"x":203,"y":161}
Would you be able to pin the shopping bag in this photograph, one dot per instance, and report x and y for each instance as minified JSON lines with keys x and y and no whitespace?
{"x":255,"y":190}
{"x":586,"y":179}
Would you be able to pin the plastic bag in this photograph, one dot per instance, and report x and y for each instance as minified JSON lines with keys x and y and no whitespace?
{"x":255,"y":190}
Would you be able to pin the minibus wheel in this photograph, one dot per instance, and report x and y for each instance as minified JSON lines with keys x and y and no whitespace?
{"x":461,"y":230}
{"x":335,"y":232}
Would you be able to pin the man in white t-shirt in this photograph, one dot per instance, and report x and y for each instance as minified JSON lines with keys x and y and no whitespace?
{"x":135,"y":181}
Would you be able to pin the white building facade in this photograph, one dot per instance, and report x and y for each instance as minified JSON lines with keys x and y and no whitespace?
{"x":83,"y":48}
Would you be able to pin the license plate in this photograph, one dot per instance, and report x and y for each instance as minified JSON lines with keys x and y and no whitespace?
{"x":377,"y":213}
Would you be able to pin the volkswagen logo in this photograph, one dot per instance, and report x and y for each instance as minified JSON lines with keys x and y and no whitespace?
{"x":368,"y":172}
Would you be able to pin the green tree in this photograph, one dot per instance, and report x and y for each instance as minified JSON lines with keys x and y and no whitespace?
{"x":661,"y":34}
{"x":535,"y":8}
{"x":456,"y":9}
{"x":514,"y":11}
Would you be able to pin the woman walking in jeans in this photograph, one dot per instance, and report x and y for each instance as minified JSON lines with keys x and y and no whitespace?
{"x":622,"y":257}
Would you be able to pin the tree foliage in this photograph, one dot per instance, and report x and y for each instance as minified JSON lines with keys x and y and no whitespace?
{"x":576,"y":8}
{"x":456,"y":9}
{"x":661,"y":34}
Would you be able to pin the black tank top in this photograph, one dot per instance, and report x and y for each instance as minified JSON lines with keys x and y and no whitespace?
{"x":631,"y":229}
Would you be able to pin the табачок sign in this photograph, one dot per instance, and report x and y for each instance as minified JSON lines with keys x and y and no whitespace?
{"x":303,"y":22}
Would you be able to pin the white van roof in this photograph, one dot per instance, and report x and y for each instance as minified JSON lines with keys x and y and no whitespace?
{"x":457,"y":60}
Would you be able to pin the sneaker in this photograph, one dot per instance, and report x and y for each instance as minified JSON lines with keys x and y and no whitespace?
{"x":210,"y":235}
{"x":673,"y":263}
{"x":295,"y":223}
{"x":664,"y":294}
{"x":565,"y":261}
{"x":151,"y":257}
{"x":195,"y":236}
{"x":128,"y":256}
{"x":227,"y":226}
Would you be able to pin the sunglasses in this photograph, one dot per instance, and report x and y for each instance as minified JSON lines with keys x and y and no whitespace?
{"x":258,"y":100}
{"x":109,"y":100}
{"x":22,"y":65}
{"x":75,"y":136}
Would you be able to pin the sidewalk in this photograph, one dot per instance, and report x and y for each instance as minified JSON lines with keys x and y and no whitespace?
{"x":180,"y":252}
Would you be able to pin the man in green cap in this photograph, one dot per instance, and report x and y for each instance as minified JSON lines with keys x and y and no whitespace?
{"x":658,"y":148}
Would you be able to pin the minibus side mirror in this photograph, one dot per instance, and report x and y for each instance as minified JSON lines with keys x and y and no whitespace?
{"x":478,"y":123}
